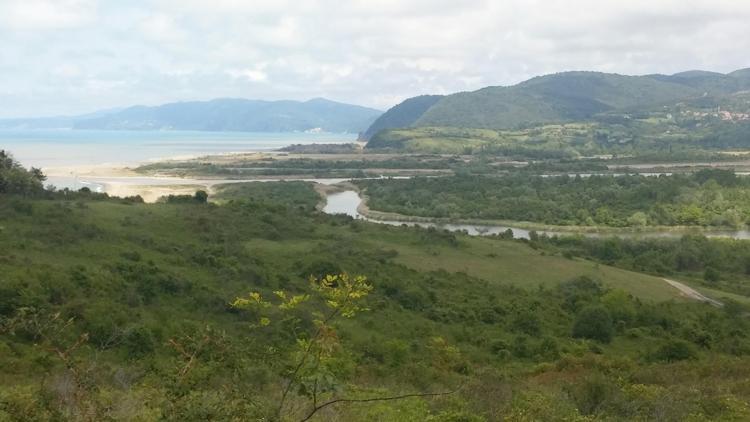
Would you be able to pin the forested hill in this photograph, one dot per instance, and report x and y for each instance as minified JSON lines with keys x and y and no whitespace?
{"x":222,"y":115}
{"x":402,"y":115}
{"x":563,"y":97}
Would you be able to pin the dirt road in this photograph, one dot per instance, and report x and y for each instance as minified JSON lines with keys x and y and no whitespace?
{"x":692,"y":293}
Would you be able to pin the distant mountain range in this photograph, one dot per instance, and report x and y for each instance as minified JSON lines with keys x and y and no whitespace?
{"x":558,"y":98}
{"x":218,"y":115}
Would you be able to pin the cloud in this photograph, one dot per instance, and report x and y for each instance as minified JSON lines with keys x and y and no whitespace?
{"x":252,"y":75}
{"x":162,"y":28}
{"x":25,"y":15}
{"x":70,"y":56}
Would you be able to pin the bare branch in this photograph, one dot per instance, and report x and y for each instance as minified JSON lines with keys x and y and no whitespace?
{"x":374,"y":399}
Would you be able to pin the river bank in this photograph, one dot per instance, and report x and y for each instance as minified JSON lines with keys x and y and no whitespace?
{"x":356,"y":205}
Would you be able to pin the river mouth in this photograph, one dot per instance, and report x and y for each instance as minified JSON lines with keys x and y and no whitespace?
{"x":348,"y":202}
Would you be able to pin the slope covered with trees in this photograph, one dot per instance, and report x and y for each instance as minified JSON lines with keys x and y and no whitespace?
{"x":561,"y":97}
{"x":573,"y":97}
{"x":404,"y":114}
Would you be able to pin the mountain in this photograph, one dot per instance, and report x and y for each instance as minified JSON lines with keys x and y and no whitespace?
{"x":221,"y":115}
{"x":240,"y":115}
{"x":402,"y":115}
{"x":559,"y":98}
{"x":56,"y":122}
{"x":711,"y":83}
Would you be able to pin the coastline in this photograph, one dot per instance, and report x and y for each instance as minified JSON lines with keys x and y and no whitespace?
{"x":122,"y":179}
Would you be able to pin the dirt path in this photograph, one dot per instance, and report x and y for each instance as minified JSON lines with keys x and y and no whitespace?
{"x":692,"y":293}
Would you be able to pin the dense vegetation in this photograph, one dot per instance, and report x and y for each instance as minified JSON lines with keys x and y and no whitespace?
{"x":705,"y":198}
{"x":14,"y":179}
{"x":113,"y":309}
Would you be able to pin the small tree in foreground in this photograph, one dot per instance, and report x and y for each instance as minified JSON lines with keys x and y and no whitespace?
{"x":312,"y":372}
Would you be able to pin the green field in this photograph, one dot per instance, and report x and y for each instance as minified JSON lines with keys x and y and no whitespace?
{"x":511,"y":262}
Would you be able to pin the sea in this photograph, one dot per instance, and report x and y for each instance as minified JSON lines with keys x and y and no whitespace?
{"x":66,"y":147}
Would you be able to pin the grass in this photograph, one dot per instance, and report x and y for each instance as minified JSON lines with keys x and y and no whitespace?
{"x":518,"y":264}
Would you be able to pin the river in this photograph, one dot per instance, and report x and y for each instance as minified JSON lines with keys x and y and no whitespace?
{"x":347,"y":202}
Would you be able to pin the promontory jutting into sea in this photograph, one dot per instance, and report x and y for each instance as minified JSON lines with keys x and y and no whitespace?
{"x":374,"y":211}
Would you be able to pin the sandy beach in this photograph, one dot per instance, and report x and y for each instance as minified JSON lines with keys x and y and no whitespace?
{"x":123,"y":180}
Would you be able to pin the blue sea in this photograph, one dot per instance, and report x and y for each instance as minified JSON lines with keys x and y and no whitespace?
{"x":53,"y":148}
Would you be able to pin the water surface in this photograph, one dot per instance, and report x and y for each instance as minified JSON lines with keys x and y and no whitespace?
{"x":64,"y":147}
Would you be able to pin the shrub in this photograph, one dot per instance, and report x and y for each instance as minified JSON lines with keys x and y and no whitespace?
{"x":595,"y":323}
{"x":201,"y":196}
{"x":139,"y":341}
{"x":711,"y":275}
{"x":675,"y":350}
{"x":527,"y":322}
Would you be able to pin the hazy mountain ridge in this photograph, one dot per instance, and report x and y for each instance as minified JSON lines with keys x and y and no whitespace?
{"x":566,"y":97}
{"x":219,"y":115}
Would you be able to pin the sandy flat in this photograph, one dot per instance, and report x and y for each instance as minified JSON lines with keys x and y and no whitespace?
{"x":123,"y":180}
{"x":150,"y":193}
{"x":91,"y":170}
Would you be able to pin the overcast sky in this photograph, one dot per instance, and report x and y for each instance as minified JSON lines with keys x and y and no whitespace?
{"x":75,"y":56}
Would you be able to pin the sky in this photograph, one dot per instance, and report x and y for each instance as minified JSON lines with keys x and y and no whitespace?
{"x":66,"y":57}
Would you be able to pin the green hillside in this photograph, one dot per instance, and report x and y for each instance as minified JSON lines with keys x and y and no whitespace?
{"x":111,"y":309}
{"x":567,"y":97}
{"x":561,"y":97}
{"x":402,"y":115}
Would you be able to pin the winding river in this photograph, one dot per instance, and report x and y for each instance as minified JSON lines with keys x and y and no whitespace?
{"x":348,"y":202}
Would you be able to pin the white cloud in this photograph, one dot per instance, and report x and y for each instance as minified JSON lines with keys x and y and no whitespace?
{"x":252,"y":75}
{"x":46,"y":14}
{"x":162,"y":28}
{"x":69,"y":56}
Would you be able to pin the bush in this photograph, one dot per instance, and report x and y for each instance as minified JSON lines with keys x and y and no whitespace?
{"x":139,"y":341}
{"x":527,"y":322}
{"x":675,"y":350}
{"x":595,"y":323}
{"x":201,"y":196}
{"x":711,"y":275}
{"x":592,"y":394}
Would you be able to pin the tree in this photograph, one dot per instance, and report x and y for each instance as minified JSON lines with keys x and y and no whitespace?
{"x":638,"y":219}
{"x":15,"y":179}
{"x":312,"y":371}
{"x":527,"y":322}
{"x":675,"y":350}
{"x":201,"y":196}
{"x":595,"y":323}
{"x":711,"y":275}
{"x":620,"y":305}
